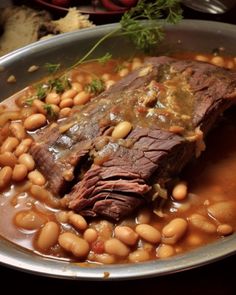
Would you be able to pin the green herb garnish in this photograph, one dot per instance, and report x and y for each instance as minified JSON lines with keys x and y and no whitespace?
{"x":95,"y":87}
{"x":102,"y":60}
{"x":41,"y":91}
{"x":49,"y":110}
{"x":59,"y":84}
{"x":118,"y":68}
{"x":144,"y":35}
{"x":105,"y":58}
{"x":52,"y":68}
{"x":29,"y":101}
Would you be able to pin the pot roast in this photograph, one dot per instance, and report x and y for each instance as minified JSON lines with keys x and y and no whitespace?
{"x":171,"y":105}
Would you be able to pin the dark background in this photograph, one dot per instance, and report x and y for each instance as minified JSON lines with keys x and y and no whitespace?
{"x":229,"y":17}
{"x":216,"y":278}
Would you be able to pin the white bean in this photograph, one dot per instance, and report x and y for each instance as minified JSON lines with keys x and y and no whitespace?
{"x":77,"y":86}
{"x":126,"y":235}
{"x":180,"y":191}
{"x":109,"y":83}
{"x":123,"y":72}
{"x":104,"y":258}
{"x":218,"y":61}
{"x":8,"y":159}
{"x":40,"y":106}
{"x":66,"y":103}
{"x":9,"y":144}
{"x":139,"y":255}
{"x":82,"y":98}
{"x":48,"y":235}
{"x":62,"y":216}
{"x":202,"y":223}
{"x":27,"y":160}
{"x":65,"y":112}
{"x":116,"y":247}
{"x":164,"y":251}
{"x":74,"y":244}
{"x":29,"y":220}
{"x":223,"y":211}
{"x":39,"y":193}
{"x":174,"y":230}
{"x":136,"y":65}
{"x":36,"y":177}
{"x":71,"y":93}
{"x":202,"y":58}
{"x":148,"y":233}
{"x":53,"y":98}
{"x":224,"y":229}
{"x":78,"y":221}
{"x":17,"y":130}
{"x":35,"y":121}
{"x":121,"y":130}
{"x":90,"y":235}
{"x":19,"y":172}
{"x":5,"y":176}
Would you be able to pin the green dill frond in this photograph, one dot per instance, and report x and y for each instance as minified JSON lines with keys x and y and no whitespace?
{"x":146,"y":35}
{"x":102,"y":60}
{"x":118,"y":68}
{"x":29,"y":101}
{"x":41,"y":91}
{"x":48,"y":108}
{"x":52,"y":68}
{"x":60,"y":84}
{"x":96,"y":86}
{"x":105,"y":58}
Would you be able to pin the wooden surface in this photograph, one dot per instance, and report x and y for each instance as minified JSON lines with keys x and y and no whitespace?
{"x":216,"y":278}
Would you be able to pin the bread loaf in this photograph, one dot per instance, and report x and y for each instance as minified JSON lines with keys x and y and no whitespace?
{"x":73,"y":21}
{"x":21,"y":26}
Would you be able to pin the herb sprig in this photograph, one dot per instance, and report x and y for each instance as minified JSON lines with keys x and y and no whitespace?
{"x":96,"y":86}
{"x":52,"y":68}
{"x":59,"y":84}
{"x":144,"y":35}
{"x":50,"y":112}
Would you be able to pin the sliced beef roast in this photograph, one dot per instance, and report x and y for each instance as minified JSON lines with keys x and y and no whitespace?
{"x":171,"y":104}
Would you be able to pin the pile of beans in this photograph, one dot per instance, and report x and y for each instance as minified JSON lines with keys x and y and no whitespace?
{"x":187,"y":221}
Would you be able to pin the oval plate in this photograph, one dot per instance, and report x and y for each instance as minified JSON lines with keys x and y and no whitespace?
{"x":189,"y":35}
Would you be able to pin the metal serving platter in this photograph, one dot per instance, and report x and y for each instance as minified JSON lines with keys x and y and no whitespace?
{"x":189,"y":35}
